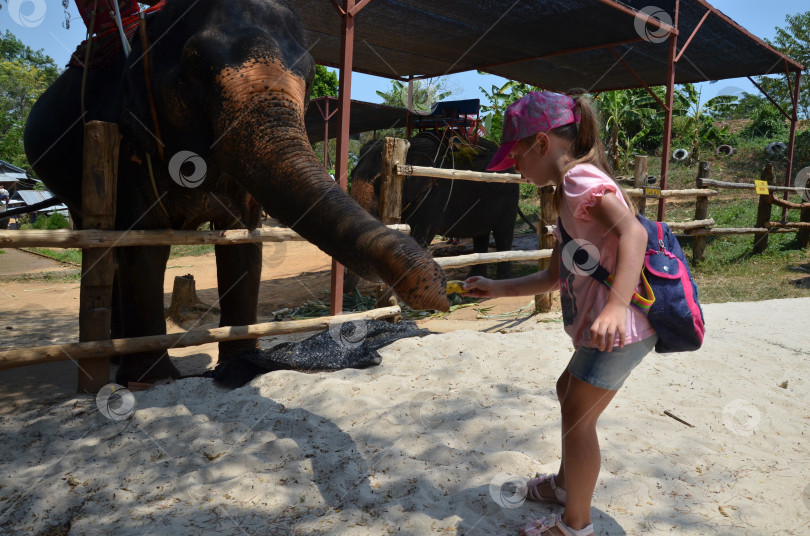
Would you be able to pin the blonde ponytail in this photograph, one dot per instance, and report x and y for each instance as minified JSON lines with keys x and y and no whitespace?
{"x":586,"y":144}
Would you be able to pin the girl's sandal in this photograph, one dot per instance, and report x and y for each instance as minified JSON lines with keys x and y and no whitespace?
{"x":545,"y":524}
{"x":533,"y":490}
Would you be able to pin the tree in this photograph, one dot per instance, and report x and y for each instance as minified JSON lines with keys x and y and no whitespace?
{"x":626,"y":115}
{"x":325,"y":83}
{"x":793,"y":41}
{"x":24,"y":75}
{"x":697,"y":126}
{"x":500,"y":99}
{"x":426,"y":93}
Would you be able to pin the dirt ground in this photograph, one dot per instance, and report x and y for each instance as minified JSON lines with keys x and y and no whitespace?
{"x":40,"y":311}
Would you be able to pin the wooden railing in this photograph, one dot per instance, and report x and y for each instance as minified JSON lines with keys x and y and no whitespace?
{"x":94,"y":348}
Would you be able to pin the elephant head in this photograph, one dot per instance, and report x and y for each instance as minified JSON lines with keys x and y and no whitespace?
{"x":236,"y":95}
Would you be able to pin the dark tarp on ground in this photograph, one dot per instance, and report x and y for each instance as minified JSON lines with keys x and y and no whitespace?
{"x":365,"y":116}
{"x":400,"y":38}
{"x":347,"y":345}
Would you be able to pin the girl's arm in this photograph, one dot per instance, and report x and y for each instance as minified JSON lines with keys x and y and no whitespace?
{"x":619,"y":221}
{"x":537,"y":283}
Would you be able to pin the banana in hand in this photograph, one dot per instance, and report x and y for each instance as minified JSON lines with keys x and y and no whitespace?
{"x":455,"y":287}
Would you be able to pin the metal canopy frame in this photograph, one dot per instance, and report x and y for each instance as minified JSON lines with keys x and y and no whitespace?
{"x":567,"y":58}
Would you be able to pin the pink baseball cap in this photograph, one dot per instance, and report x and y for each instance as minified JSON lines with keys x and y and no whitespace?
{"x":538,"y":111}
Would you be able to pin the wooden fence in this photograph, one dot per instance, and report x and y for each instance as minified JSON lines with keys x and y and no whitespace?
{"x":99,"y":179}
{"x":94,"y":348}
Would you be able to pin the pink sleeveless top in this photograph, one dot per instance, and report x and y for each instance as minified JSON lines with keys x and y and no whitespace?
{"x":582,"y":297}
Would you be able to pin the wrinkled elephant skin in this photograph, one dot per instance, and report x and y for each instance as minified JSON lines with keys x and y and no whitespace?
{"x":230,"y":82}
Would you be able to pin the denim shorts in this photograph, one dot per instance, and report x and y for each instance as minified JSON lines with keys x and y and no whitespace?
{"x":608,"y":370}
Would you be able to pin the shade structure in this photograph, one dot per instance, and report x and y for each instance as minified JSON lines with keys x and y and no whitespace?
{"x":365,"y":117}
{"x":555,"y":44}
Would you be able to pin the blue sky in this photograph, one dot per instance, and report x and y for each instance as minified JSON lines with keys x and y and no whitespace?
{"x":757,"y":16}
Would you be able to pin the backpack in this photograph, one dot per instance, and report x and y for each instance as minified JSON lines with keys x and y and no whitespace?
{"x":671,"y":302}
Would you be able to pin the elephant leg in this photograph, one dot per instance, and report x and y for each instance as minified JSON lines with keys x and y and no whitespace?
{"x":480,"y":245}
{"x":139,"y":302}
{"x":239,"y":270}
{"x":503,"y":242}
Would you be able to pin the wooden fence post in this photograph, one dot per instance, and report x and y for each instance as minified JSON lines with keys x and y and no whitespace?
{"x":547,"y":218}
{"x":763,"y":212}
{"x":701,"y":212}
{"x":394,"y":152}
{"x":640,"y":181}
{"x":99,"y":185}
{"x":803,"y":237}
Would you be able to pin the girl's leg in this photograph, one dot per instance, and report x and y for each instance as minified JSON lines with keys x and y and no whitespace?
{"x":545,"y":490}
{"x":581,"y":407}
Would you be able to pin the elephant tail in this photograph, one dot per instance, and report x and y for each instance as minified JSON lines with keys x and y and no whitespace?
{"x":524,"y":218}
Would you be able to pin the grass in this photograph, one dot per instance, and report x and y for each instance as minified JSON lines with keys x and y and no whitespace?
{"x":74,"y":256}
{"x":729,"y":271}
{"x":191,"y":251}
{"x":71,"y":256}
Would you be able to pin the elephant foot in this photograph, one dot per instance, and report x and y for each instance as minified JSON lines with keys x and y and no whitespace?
{"x":230,"y":349}
{"x":145,"y":370}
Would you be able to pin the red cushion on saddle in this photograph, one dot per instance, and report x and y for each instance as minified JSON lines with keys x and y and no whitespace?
{"x":105,"y":19}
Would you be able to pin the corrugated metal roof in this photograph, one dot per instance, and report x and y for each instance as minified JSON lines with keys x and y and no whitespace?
{"x":554,"y":44}
{"x":29,"y":197}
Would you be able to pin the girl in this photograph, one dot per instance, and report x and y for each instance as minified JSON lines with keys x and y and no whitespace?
{"x":553,"y":139}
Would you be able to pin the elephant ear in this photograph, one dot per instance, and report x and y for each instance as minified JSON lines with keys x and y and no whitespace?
{"x":179,"y":114}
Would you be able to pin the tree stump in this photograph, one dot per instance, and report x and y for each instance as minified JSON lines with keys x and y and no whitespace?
{"x":185,"y":303}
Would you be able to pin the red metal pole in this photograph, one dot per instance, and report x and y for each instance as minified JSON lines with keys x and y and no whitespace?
{"x":673,"y":48}
{"x":792,"y":143}
{"x":342,"y":149}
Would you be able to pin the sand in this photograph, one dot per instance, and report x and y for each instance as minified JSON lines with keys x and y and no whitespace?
{"x":435,"y":440}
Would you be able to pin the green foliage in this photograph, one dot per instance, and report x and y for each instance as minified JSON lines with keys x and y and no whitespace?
{"x":766,"y":122}
{"x":426,"y":93}
{"x":500,"y":98}
{"x":696,"y":127}
{"x":24,"y":75}
{"x":794,"y":41}
{"x":801,"y":158}
{"x":627,"y":116}
{"x":48,"y":223}
{"x":528,"y":191}
{"x":73,"y":256}
{"x":742,"y":108}
{"x":325,"y":83}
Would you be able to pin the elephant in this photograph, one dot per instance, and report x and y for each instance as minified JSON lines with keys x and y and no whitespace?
{"x":458,"y":208}
{"x":230,"y":84}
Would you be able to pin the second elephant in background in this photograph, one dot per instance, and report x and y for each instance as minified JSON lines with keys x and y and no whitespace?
{"x":452,"y":208}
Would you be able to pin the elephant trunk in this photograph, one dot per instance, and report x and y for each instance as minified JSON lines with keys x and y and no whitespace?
{"x":264,"y":140}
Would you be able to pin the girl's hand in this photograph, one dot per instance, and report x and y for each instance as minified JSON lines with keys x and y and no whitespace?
{"x":480,"y":287}
{"x":610,"y":321}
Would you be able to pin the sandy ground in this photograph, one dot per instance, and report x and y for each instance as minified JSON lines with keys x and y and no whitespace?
{"x":438,"y":439}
